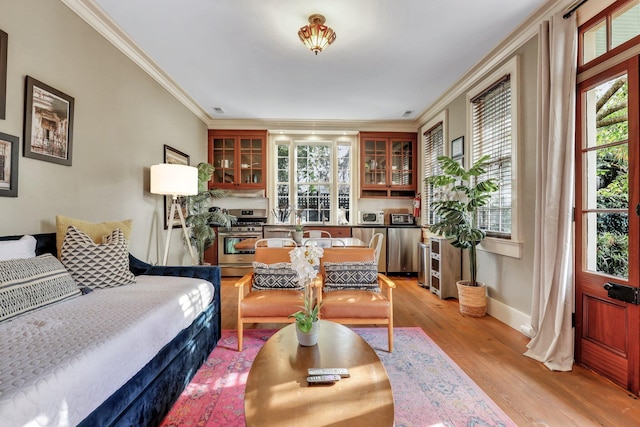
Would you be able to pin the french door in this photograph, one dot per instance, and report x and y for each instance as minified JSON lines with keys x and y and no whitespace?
{"x":607,"y":232}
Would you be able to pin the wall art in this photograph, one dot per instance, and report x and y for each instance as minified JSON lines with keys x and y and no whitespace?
{"x":9,"y":146}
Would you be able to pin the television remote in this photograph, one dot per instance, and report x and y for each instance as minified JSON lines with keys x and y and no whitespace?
{"x":343,"y":372}
{"x":323,"y":379}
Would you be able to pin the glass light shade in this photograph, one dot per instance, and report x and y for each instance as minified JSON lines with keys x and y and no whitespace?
{"x":316,"y":36}
{"x":174,"y":180}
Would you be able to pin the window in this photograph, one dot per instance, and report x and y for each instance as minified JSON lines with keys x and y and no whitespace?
{"x":492,"y":108}
{"x":491,"y":135}
{"x":433,"y":148}
{"x":610,"y":29}
{"x":314,"y":178}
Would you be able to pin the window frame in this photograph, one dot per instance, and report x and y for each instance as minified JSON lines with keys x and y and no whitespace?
{"x":511,"y":246}
{"x":440,"y":119}
{"x":333,"y":141}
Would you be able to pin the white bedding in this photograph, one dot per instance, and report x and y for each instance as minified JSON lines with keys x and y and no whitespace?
{"x":59,"y":363}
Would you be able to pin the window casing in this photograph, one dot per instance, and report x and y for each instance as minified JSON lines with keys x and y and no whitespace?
{"x":433,"y":148}
{"x":492,"y":109}
{"x":314,"y":177}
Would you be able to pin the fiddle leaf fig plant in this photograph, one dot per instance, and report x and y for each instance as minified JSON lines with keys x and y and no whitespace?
{"x":200,"y":218}
{"x":458,"y":209}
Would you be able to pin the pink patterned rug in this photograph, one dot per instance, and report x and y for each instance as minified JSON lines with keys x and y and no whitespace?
{"x":429,"y":389}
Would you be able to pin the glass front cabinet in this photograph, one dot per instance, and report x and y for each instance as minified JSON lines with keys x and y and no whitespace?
{"x":388,"y":164}
{"x":239,"y":157}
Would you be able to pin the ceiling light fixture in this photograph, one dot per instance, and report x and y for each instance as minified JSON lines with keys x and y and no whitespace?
{"x":316,"y":36}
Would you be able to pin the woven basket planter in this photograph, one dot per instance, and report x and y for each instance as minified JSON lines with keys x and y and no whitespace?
{"x":472,"y":299}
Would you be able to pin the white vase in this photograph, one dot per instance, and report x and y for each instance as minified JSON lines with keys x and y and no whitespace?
{"x":310,"y":338}
{"x":297,"y":236}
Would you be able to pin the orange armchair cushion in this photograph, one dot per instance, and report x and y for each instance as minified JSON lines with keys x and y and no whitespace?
{"x":354,"y":304}
{"x":271,"y":303}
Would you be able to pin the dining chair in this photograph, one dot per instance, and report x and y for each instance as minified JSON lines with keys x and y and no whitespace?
{"x":324,"y":242}
{"x":376,"y":244}
{"x":315,"y":234}
{"x":275,"y":242}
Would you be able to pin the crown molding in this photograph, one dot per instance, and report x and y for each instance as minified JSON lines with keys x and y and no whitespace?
{"x":93,"y":15}
{"x":523,"y":33}
{"x":315,"y":125}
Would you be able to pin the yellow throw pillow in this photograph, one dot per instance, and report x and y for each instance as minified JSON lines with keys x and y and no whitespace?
{"x":94,"y":230}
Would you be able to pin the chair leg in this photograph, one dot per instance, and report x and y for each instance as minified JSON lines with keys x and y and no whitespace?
{"x":240,"y":332}
{"x":390,"y":338}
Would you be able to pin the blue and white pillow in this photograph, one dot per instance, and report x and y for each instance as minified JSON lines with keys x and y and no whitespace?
{"x":32,"y":283}
{"x":351,"y":276}
{"x":274,"y":276}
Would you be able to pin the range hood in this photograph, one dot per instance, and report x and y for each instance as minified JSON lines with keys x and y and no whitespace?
{"x":253,"y":194}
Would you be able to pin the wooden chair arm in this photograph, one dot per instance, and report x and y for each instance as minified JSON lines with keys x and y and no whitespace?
{"x":386,"y":281}
{"x":244,"y":285}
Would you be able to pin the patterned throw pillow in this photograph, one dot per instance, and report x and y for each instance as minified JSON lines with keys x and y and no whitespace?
{"x":274,"y":276}
{"x":97,"y":265}
{"x":358,"y":276}
{"x":28,"y":284}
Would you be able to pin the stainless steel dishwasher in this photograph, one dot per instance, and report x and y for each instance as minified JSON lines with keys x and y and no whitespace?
{"x":402,"y":249}
{"x":365,"y":234}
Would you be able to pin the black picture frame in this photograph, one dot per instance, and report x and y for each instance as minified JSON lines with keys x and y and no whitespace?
{"x":4,"y":47}
{"x":48,"y":123}
{"x":174,"y":156}
{"x":457,"y":147}
{"x":9,"y":146}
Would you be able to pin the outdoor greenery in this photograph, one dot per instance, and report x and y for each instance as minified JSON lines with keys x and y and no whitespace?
{"x":199,"y":218}
{"x":612,"y":168}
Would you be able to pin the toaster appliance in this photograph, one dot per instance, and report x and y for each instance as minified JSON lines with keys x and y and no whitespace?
{"x":401,"y":219}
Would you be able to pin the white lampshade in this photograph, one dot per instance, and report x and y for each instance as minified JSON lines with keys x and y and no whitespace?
{"x":174,"y":180}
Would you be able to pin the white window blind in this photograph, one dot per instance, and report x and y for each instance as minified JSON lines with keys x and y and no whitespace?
{"x":491,"y":134}
{"x":433,"y":148}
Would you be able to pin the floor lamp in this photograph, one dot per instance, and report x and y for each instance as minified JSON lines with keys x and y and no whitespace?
{"x":175,"y":180}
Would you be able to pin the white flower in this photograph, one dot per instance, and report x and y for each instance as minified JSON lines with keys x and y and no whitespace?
{"x":305,"y":261}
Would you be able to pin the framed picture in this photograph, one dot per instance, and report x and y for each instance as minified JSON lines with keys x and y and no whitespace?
{"x":4,"y":45}
{"x":48,"y":123}
{"x":457,"y":147}
{"x":9,"y":146}
{"x":175,"y":157}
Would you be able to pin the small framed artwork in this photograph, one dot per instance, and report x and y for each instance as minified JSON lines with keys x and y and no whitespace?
{"x":457,"y":147}
{"x":48,"y":123}
{"x":9,"y":146}
{"x":4,"y":45}
{"x":175,"y":157}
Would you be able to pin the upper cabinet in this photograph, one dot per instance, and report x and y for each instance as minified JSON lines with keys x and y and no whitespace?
{"x":388,"y":164}
{"x":239,"y":157}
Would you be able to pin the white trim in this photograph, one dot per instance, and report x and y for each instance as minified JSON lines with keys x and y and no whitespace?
{"x":508,"y":247}
{"x":508,"y":315}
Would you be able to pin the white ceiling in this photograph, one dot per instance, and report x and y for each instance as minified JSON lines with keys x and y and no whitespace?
{"x":244,"y":56}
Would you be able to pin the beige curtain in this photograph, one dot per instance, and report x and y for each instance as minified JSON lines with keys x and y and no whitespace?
{"x":553,"y":290}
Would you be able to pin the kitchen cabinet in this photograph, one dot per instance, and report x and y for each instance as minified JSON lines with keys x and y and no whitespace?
{"x":239,"y":157}
{"x":388,"y":164}
{"x":446,"y":269}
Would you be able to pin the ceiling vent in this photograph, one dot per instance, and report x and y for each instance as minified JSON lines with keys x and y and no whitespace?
{"x":407,"y":113}
{"x":218,"y":110}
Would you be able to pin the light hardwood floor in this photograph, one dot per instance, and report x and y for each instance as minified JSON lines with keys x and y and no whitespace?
{"x":491,"y":353}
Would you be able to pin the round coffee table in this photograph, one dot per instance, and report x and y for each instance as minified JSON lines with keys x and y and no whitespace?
{"x":277,"y":392}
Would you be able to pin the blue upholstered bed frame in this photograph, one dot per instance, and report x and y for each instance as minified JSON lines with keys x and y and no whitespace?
{"x":147,"y":397}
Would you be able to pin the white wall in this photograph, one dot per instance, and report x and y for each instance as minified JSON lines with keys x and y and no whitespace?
{"x":122,"y":119}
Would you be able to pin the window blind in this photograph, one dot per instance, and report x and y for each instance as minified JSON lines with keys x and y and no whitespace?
{"x":491,"y":135}
{"x":433,"y":148}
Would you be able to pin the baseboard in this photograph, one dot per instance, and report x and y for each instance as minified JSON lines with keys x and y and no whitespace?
{"x":509,"y":315}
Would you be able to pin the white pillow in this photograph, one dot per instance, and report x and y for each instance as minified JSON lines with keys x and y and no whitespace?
{"x":18,"y":249}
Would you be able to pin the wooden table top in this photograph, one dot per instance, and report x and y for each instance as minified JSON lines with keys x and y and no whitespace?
{"x":277,"y":392}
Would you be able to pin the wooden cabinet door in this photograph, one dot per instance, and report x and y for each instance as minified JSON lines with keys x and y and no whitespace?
{"x":239,"y":158}
{"x":388,"y":164}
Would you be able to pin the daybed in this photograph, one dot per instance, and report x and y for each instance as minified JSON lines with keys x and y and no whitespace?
{"x":80,"y":389}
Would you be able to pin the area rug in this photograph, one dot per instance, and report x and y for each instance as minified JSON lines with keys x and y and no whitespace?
{"x":429,"y":389}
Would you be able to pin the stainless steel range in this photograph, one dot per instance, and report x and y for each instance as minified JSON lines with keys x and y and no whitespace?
{"x":234,"y":258}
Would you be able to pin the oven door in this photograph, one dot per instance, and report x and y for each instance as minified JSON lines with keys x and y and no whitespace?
{"x":236,"y":251}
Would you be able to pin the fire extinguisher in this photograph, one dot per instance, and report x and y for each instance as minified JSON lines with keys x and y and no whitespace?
{"x":417,"y":202}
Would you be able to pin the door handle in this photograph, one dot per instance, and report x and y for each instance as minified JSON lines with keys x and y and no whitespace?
{"x":623,"y":292}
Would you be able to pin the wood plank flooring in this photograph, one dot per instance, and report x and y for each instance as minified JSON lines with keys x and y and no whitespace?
{"x":491,"y":353}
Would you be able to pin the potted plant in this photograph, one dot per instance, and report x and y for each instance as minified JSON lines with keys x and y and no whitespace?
{"x":464,"y":194}
{"x":305,"y":260}
{"x":200,"y":217}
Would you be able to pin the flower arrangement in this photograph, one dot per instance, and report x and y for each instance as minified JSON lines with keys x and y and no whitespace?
{"x":305,"y":260}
